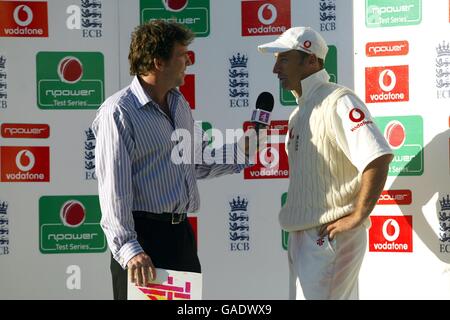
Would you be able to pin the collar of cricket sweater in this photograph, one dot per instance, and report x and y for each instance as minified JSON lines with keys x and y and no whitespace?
{"x":311,"y":83}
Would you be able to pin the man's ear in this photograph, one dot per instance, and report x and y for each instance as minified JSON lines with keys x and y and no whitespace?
{"x":159,"y":64}
{"x":313,"y":59}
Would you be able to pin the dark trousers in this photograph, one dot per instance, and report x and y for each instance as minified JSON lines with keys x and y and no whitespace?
{"x":170,"y":246}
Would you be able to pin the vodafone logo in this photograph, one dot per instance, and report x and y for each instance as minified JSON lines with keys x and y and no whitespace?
{"x":265,"y":17}
{"x":72,"y":213}
{"x":269,"y":157}
{"x":272,"y":160}
{"x":307,"y":44}
{"x":23,"y":15}
{"x":25,"y":160}
{"x":23,"y":19}
{"x":175,"y":5}
{"x":267,"y":14}
{"x":70,"y":70}
{"x":356,"y":115}
{"x":395,"y":134}
{"x":391,"y":234}
{"x":24,"y":164}
{"x":391,"y":230}
{"x":387,"y":80}
{"x":387,"y":84}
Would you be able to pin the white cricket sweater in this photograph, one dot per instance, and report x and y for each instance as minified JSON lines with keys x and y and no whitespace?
{"x":324,"y":182}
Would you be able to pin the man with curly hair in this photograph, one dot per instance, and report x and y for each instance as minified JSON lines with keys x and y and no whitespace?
{"x":144,"y":195}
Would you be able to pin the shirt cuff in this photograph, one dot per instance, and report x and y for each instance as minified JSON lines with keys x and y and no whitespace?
{"x":128,"y":251}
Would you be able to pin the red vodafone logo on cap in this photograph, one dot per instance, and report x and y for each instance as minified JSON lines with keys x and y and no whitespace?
{"x":23,"y":19}
{"x":387,"y":84}
{"x":70,"y":70}
{"x":395,"y":134}
{"x":175,"y":5}
{"x":72,"y":213}
{"x":391,"y":234}
{"x":24,"y":164}
{"x":265,"y":17}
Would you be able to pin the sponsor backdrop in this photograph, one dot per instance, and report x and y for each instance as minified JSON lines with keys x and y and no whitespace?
{"x":60,"y":59}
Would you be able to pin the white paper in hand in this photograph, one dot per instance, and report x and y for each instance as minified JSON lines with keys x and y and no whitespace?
{"x":168,"y":285}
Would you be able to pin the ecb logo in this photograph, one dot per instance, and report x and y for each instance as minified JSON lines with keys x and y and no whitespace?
{"x":86,"y":17}
{"x":239,"y":227}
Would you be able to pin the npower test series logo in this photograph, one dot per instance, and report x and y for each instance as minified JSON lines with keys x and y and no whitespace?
{"x":70,"y":80}
{"x":70,"y":224}
{"x":389,"y":13}
{"x":267,"y":17}
{"x":194,"y":14}
{"x":405,"y":136}
{"x":387,"y":84}
{"x":391,"y":234}
{"x":24,"y":164}
{"x":23,"y":19}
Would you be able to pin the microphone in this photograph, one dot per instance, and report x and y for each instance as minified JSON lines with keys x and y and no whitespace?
{"x":261,"y":114}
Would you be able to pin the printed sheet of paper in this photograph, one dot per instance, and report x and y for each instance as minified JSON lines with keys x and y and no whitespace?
{"x":168,"y":285}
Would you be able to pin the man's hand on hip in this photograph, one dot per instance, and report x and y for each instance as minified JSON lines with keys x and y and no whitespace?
{"x":141,"y":269}
{"x":343,"y":224}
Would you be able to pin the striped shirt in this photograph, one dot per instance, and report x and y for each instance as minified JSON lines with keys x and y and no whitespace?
{"x":134,"y":167}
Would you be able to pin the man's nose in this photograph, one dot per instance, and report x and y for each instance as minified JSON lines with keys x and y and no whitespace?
{"x":275,"y":68}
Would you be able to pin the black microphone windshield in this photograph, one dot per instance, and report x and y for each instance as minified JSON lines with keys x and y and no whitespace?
{"x":265,"y":101}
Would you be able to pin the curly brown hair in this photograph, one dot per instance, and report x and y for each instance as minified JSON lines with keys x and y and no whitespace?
{"x":155,"y":39}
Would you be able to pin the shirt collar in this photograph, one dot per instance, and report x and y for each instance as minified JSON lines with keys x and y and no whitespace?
{"x":311,"y":83}
{"x":142,"y":96}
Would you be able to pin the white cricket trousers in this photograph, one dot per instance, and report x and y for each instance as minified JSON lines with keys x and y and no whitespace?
{"x":323,"y":269}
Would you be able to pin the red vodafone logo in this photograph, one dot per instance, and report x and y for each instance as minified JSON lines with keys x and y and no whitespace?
{"x":391,"y":234}
{"x":24,"y":164}
{"x":175,"y":5}
{"x":267,"y":13}
{"x":395,"y":134}
{"x":25,"y":160}
{"x":307,"y":44}
{"x":70,"y":70}
{"x":72,"y":213}
{"x":268,"y":17}
{"x":387,"y":84}
{"x":356,"y":115}
{"x":23,"y":15}
{"x":391,"y":230}
{"x":23,"y":19}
